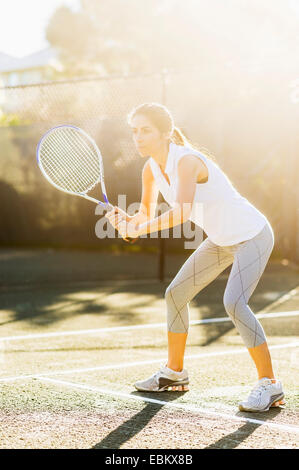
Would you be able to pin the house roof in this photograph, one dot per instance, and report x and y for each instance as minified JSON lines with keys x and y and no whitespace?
{"x":36,"y":60}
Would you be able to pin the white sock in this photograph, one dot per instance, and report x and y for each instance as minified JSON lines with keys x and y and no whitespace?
{"x":174,"y":371}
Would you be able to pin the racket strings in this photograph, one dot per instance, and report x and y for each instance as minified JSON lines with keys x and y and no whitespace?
{"x":81,"y":144}
{"x":78,"y":147}
{"x":57,"y":172}
{"x":70,"y":161}
{"x":81,"y":166}
{"x":95,"y":159}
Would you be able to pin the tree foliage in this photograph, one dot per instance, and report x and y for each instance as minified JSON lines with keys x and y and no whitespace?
{"x":132,"y":36}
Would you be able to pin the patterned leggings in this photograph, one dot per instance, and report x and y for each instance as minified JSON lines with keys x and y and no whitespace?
{"x":248,"y":259}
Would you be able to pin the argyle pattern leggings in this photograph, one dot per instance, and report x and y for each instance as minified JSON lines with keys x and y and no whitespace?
{"x":248,"y":259}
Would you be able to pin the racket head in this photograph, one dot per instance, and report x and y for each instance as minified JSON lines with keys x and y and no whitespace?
{"x":70,"y":160}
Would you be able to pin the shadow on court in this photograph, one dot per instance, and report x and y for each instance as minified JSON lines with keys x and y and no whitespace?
{"x":233,"y":440}
{"x":130,"y":428}
{"x":137,"y":423}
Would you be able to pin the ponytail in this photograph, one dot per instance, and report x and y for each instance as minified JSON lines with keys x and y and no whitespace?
{"x":178,"y":138}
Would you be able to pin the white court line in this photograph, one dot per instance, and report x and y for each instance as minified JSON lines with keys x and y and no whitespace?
{"x":230,"y":417}
{"x":139,"y":363}
{"x":292,"y":313}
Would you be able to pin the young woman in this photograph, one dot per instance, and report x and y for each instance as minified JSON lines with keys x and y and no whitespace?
{"x":237,"y":234}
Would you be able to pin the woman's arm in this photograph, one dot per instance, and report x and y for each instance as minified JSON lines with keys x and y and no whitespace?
{"x":189,"y":172}
{"x":148,"y":202}
{"x":189,"y":169}
{"x":149,"y":196}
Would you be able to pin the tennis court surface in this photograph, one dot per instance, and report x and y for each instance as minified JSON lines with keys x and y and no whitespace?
{"x":73,"y":343}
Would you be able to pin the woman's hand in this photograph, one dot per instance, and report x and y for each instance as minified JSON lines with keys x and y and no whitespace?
{"x":116,"y":215}
{"x":120,"y":220}
{"x":128,"y":229}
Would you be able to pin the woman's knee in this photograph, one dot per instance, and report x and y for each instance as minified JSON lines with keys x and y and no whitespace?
{"x":229,"y":303}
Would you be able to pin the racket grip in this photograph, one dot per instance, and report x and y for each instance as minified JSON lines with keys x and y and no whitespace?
{"x":108,"y":206}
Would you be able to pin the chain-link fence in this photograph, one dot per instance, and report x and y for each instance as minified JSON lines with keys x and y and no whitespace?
{"x":249,"y":124}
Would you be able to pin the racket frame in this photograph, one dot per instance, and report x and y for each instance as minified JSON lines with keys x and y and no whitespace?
{"x":100,"y":179}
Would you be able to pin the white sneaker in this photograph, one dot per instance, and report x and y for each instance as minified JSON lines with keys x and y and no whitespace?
{"x":264,"y":395}
{"x":165,"y":380}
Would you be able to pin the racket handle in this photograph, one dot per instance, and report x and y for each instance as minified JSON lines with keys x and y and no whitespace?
{"x":107,"y":206}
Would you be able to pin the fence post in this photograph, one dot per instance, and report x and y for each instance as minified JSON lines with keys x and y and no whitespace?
{"x":296,"y":200}
{"x":162,"y":253}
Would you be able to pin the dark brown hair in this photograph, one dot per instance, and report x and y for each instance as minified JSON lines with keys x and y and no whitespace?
{"x":161,"y":118}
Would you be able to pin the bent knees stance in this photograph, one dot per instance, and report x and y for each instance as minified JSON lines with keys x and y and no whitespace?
{"x":202,"y":267}
{"x":250,"y":259}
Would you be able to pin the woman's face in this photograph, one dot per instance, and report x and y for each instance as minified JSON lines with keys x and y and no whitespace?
{"x":146,"y":136}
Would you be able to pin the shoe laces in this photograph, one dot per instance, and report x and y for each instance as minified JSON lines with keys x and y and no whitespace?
{"x":258,"y":390}
{"x":159,"y":372}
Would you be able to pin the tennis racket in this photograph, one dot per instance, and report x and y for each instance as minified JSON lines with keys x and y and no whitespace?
{"x":72,"y":162}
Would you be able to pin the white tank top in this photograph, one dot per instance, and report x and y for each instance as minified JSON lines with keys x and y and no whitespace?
{"x":226,"y":217}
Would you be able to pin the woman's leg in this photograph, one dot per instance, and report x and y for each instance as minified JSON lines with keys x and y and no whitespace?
{"x":176,"y":350}
{"x":262,"y":360}
{"x":250,"y":259}
{"x":201,"y":268}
